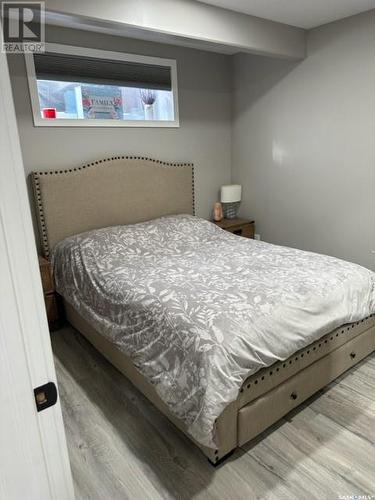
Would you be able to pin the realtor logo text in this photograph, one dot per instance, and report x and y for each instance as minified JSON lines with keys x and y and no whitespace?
{"x":23,"y":26}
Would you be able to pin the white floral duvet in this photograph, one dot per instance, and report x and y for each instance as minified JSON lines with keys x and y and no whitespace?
{"x":198,"y":309}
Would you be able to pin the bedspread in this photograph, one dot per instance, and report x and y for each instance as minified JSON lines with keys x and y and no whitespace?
{"x":198,"y":309}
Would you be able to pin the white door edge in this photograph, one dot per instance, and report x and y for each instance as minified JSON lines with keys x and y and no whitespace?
{"x":25,"y":290}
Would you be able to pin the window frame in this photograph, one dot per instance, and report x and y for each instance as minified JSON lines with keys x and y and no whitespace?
{"x":100,"y":54}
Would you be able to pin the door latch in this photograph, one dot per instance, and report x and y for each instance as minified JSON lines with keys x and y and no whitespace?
{"x":45,"y":396}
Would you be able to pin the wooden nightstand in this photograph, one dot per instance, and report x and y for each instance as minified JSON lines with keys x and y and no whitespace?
{"x":50,"y":296}
{"x":242,"y":227}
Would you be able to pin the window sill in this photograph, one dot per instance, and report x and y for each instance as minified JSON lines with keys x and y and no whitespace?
{"x":61,"y":122}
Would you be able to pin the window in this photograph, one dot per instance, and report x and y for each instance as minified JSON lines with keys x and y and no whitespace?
{"x":71,"y":86}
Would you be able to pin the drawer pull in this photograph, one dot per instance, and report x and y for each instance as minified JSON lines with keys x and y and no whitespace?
{"x":353,"y":355}
{"x":294,"y":396}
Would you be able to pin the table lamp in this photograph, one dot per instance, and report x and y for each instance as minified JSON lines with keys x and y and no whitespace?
{"x":231,"y":200}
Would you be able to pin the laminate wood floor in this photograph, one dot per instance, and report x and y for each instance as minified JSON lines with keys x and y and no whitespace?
{"x":121,"y":447}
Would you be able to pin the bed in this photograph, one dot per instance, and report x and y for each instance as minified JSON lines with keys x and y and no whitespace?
{"x":222,"y":334}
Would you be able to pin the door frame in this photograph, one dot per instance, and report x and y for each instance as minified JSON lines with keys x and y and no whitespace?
{"x":26,"y":341}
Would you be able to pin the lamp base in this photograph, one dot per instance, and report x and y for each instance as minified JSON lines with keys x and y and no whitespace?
{"x":230,"y":210}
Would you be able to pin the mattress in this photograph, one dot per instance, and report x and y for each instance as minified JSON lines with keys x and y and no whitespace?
{"x":199,"y":310}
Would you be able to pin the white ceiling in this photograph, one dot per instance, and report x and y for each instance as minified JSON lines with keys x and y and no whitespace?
{"x":302,"y":13}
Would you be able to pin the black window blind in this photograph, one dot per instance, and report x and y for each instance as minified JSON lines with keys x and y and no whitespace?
{"x":62,"y":67}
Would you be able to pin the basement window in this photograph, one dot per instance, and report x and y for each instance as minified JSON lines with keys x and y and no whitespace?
{"x":72,"y":86}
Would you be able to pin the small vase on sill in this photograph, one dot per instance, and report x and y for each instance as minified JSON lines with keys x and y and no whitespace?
{"x":149,"y":111}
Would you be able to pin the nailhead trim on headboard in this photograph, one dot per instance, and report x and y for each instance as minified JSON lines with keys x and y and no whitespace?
{"x":41,"y":219}
{"x":39,"y":198}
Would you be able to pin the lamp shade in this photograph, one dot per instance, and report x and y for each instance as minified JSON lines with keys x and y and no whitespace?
{"x":231,"y":193}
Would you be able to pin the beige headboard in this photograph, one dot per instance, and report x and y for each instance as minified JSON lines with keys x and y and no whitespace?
{"x":109,"y":192}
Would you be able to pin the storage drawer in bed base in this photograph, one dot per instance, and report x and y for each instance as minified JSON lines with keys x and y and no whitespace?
{"x":258,"y":415}
{"x":270,"y":377}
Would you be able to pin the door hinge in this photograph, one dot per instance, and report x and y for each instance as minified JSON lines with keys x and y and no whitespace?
{"x":45,"y":396}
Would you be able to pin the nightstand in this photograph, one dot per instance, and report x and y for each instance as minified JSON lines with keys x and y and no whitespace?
{"x":242,"y":227}
{"x":50,"y":296}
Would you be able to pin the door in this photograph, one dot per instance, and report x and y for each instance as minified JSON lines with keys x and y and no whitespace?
{"x":34,"y":461}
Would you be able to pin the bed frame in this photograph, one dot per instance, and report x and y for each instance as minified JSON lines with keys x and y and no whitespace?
{"x":129,"y":189}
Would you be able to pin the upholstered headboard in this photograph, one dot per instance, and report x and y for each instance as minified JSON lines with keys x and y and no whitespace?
{"x":113,"y":191}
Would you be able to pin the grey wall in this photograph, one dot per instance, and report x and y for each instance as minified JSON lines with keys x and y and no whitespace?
{"x":304,"y":142}
{"x":301,"y":137}
{"x":203,"y":137}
